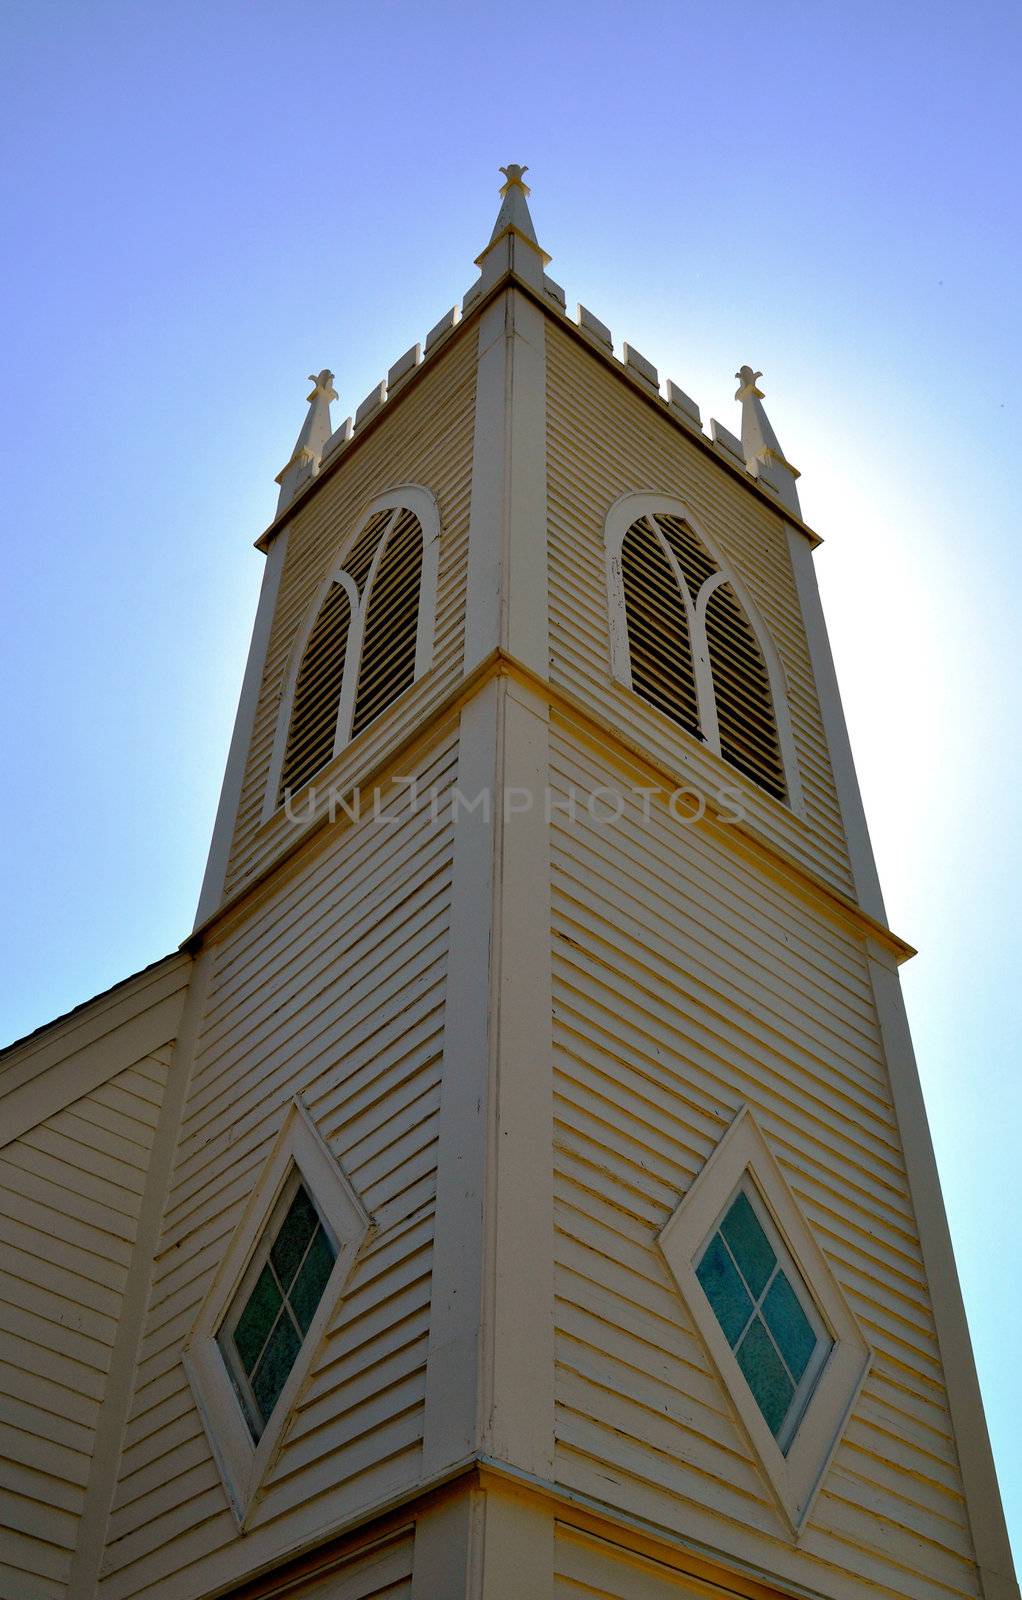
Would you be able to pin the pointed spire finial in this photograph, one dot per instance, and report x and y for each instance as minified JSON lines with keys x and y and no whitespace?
{"x":514,"y":217}
{"x":311,"y":441}
{"x":760,"y":445}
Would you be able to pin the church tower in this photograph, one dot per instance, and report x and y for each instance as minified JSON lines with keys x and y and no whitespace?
{"x":519,"y":1184}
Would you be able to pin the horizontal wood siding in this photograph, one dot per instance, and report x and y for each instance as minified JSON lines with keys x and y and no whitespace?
{"x":685,"y":985}
{"x":381,"y":1573}
{"x":605,"y":441}
{"x":425,"y":438}
{"x":331,"y":987}
{"x":586,"y":1565}
{"x":70,"y":1193}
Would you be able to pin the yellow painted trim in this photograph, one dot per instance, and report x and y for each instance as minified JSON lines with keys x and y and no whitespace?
{"x":775,"y":863}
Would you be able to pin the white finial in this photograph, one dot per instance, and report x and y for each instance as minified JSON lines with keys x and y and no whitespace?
{"x":514,"y":229}
{"x":760,"y":445}
{"x":514,"y":213}
{"x":311,"y":442}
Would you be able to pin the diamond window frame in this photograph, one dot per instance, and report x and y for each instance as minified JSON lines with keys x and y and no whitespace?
{"x":795,"y":1469}
{"x":299,"y":1156}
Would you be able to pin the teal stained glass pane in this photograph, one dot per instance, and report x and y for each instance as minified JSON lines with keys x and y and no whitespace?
{"x":277,"y":1360}
{"x":771,"y":1387}
{"x":307,"y":1289}
{"x":789,"y":1325}
{"x":749,"y":1244}
{"x":257,"y":1319}
{"x":292,"y":1241}
{"x":724,"y":1289}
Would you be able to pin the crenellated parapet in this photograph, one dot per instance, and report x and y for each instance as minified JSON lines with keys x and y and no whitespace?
{"x":514,"y":252}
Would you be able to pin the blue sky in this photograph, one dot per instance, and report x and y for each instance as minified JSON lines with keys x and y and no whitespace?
{"x":204,"y":203}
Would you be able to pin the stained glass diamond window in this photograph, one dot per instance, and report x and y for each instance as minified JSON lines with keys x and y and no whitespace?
{"x":765,"y":1312}
{"x":273,"y":1310}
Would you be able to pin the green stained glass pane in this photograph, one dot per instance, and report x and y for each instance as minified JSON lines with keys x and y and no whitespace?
{"x":764,"y":1371}
{"x":749,"y":1244}
{"x":278,"y":1358}
{"x":295,"y":1232}
{"x":789,"y":1325}
{"x":257,"y":1319}
{"x":307,"y":1289}
{"x":724,"y":1289}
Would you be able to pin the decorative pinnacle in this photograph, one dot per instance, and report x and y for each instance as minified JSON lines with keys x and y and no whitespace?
{"x":514,"y":211}
{"x":323,"y":384}
{"x":311,"y":441}
{"x":747,"y":384}
{"x":513,"y":174}
{"x":760,"y":445}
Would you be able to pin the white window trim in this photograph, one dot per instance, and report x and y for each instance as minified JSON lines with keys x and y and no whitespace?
{"x":628,"y":509}
{"x":243,"y":1464}
{"x":743,"y":1154}
{"x":405,"y":497}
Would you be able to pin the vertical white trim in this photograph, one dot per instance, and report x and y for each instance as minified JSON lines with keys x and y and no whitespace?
{"x":975,"y":1457}
{"x":448,"y":1540}
{"x":120,"y":1384}
{"x":526,"y":624}
{"x":507,"y":600}
{"x":518,"y":1539}
{"x":490,"y":1365}
{"x":520,"y":1226}
{"x":241,"y":739}
{"x":452,"y":1425}
{"x":860,"y":850}
{"x":488,"y":511}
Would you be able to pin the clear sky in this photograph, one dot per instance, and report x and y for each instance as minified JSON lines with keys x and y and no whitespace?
{"x":205,"y":202}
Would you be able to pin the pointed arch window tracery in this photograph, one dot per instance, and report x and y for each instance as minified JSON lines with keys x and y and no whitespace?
{"x":687,"y":638}
{"x":368,"y":637}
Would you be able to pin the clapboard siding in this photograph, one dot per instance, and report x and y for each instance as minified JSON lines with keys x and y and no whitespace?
{"x":70,"y":1194}
{"x":426,"y":438}
{"x":686,"y":984}
{"x":381,"y":1573}
{"x":331,"y":987}
{"x":602,"y":443}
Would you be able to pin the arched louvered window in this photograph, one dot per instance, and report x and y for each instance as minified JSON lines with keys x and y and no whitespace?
{"x":370,"y":637}
{"x":686,"y":639}
{"x":317,"y":697}
{"x":746,"y":725}
{"x":387,"y":666}
{"x":658,"y":630}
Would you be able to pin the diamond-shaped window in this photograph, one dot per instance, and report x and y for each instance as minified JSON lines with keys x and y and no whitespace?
{"x":771,"y":1311}
{"x":268,"y":1306}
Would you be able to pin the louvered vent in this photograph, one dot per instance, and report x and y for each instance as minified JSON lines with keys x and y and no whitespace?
{"x":663,"y":656}
{"x":310,"y":739}
{"x":360,"y":558}
{"x":658,"y":636}
{"x":694,"y":561}
{"x":387,"y":667}
{"x":745,"y":712}
{"x":313,"y":728}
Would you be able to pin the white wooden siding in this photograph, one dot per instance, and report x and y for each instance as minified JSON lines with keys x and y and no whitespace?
{"x":425,"y":439}
{"x":603,"y":442}
{"x":382,"y":1573}
{"x":70,"y":1193}
{"x":684,"y":985}
{"x":331,"y":987}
